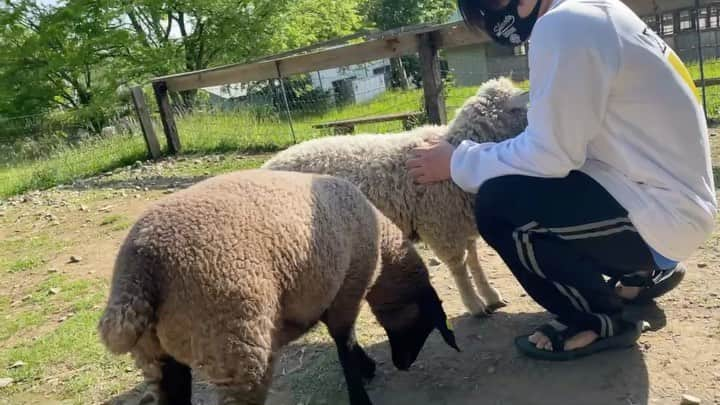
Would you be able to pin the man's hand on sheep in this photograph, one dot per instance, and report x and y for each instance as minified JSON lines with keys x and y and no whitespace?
{"x":431,"y":162}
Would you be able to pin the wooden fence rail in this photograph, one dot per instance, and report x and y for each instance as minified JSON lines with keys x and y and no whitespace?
{"x":426,"y":40}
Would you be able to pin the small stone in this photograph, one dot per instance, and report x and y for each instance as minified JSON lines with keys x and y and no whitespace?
{"x":62,"y":319}
{"x":702,"y":265}
{"x":52,"y":270}
{"x":4,"y":382}
{"x":146,"y":189}
{"x":27,"y":297}
{"x":129,"y":369}
{"x":434,"y":261}
{"x":17,"y":364}
{"x":690,"y":400}
{"x":83,"y":207}
{"x":75,"y":259}
{"x":54,"y":291}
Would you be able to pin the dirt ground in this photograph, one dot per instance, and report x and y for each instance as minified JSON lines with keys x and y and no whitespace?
{"x":679,"y":355}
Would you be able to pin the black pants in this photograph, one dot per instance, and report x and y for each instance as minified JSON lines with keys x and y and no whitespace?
{"x":559,"y":236}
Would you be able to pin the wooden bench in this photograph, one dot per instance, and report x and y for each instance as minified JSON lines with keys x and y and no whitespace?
{"x":348,"y":126}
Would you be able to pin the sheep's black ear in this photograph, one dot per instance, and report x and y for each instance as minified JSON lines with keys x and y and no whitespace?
{"x":448,"y":335}
{"x":433,"y":308}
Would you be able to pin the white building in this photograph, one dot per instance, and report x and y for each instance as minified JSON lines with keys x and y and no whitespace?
{"x":354,"y":83}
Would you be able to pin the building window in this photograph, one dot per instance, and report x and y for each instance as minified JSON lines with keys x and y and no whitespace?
{"x":703,"y":18}
{"x":520,"y":50}
{"x":381,"y":70}
{"x":667,"y":24}
{"x":713,"y":17}
{"x":686,"y":20}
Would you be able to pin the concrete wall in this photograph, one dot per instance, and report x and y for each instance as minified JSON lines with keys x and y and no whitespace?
{"x":468,"y":64}
{"x":474,"y":64}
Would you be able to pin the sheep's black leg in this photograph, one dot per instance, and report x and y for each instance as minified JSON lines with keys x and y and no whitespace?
{"x":364,"y":363}
{"x":340,"y":319}
{"x":176,"y":383}
{"x":348,"y":355}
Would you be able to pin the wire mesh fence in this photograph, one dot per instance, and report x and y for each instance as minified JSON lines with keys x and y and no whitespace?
{"x":372,"y":97}
{"x":39,"y":136}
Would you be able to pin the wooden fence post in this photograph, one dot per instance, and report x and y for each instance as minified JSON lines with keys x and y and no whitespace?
{"x":166,"y":116}
{"x":432,"y":81}
{"x":143,"y":115}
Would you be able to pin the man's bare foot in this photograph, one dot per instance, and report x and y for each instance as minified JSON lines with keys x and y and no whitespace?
{"x":582,"y":339}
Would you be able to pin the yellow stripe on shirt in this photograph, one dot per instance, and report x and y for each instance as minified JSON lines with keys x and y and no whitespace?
{"x":680,"y":68}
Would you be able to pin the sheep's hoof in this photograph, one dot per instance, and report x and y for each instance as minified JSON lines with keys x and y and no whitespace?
{"x":150,"y":398}
{"x":492,"y":307}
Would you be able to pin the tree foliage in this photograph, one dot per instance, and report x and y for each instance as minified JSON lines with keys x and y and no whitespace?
{"x":76,"y":55}
{"x":70,"y":57}
{"x":388,"y":14}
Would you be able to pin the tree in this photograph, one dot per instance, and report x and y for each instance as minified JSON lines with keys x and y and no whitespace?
{"x":389,"y":14}
{"x":70,"y":56}
{"x":311,"y":21}
{"x":187,"y":35}
{"x":176,"y":36}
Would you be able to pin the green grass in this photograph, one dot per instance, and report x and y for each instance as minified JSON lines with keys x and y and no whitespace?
{"x":67,"y":360}
{"x":119,"y":222}
{"x":25,"y":263}
{"x":207,"y":133}
{"x":71,"y":163}
{"x":26,"y":253}
{"x":711,"y":69}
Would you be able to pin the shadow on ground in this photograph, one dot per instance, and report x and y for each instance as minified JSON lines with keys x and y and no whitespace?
{"x":488,"y":371}
{"x":149,"y":183}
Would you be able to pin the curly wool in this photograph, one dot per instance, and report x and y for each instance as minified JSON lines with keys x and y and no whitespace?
{"x":221,"y":275}
{"x":440,"y":214}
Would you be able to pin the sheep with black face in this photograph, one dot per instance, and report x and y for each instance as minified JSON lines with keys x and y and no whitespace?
{"x":220,"y":276}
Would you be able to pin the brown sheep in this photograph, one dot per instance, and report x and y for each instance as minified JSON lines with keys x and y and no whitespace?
{"x":218,"y":277}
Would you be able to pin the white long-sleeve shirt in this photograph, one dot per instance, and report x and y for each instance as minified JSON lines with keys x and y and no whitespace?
{"x":609,"y":98}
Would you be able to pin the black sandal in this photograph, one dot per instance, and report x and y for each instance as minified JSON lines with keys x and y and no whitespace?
{"x":627,"y":337}
{"x":657,"y":284}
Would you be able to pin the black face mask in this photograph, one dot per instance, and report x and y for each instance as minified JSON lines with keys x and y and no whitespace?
{"x":506,"y":27}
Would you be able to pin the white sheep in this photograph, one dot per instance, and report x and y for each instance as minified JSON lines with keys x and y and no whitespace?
{"x":440,"y":214}
{"x":218,"y":277}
